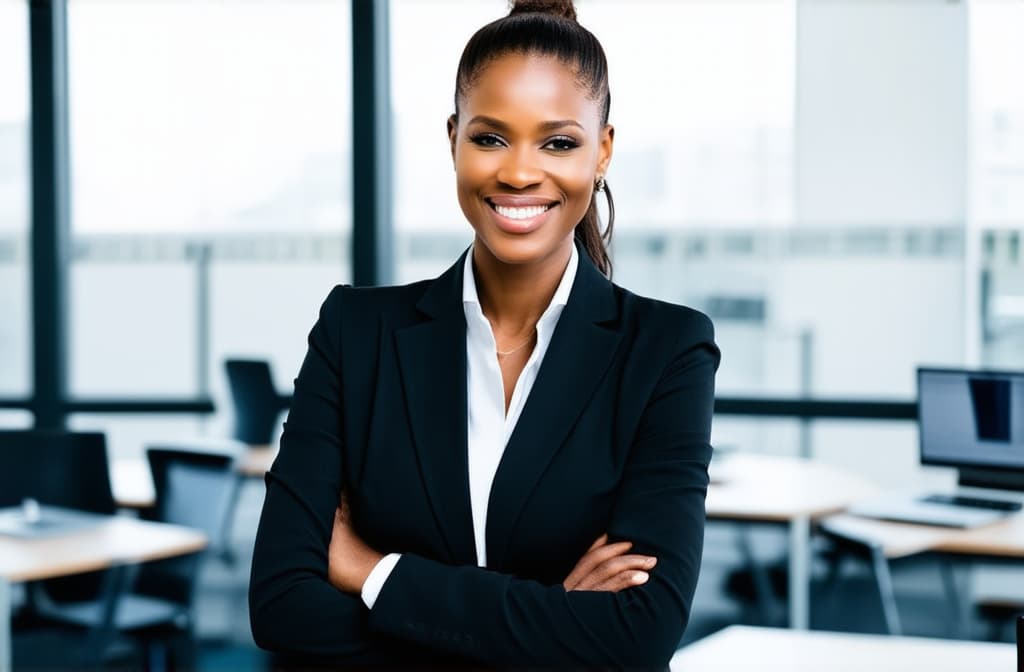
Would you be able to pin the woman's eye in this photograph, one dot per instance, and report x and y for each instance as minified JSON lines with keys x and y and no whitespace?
{"x":562,"y":144}
{"x":486,"y":140}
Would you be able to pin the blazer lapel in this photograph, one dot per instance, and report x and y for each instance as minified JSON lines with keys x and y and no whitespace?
{"x":580,"y":352}
{"x":432,"y":359}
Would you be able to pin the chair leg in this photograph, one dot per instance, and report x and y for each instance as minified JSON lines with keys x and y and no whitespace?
{"x":883,"y":580}
{"x":833,"y":583}
{"x":958,"y":624}
{"x":762,"y":584}
{"x":155,"y":656}
{"x":226,"y":555}
{"x":100,"y":636}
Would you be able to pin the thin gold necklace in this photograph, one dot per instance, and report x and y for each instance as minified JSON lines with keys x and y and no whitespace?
{"x":522,"y":345}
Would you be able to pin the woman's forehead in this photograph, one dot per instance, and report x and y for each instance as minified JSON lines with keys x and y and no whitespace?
{"x":530,"y":86}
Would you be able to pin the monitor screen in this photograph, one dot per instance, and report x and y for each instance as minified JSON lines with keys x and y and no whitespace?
{"x":971,"y":418}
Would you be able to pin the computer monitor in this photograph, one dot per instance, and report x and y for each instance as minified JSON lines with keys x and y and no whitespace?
{"x":973,"y":420}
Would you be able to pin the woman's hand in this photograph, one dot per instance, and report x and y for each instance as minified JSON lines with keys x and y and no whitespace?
{"x":607,"y":567}
{"x":349,"y":559}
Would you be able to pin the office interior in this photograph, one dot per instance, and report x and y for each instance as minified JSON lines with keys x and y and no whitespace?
{"x":838,"y":184}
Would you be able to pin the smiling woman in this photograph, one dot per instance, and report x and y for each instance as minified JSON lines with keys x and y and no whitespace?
{"x":505,"y":465}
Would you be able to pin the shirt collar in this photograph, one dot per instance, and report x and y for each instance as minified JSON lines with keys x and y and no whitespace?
{"x":560,"y":298}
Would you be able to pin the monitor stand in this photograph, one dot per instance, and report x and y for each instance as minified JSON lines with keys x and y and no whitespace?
{"x":993,"y":479}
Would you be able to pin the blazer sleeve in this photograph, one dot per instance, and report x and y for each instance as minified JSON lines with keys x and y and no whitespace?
{"x":498,"y":619}
{"x":293,"y":609}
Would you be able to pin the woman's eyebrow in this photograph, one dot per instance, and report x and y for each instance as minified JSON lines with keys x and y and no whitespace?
{"x":544,"y":126}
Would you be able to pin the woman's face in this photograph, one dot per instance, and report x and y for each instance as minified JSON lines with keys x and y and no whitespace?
{"x":528,"y":144}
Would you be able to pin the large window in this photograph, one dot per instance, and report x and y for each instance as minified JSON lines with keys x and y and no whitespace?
{"x":15,"y":307}
{"x":210,"y":188}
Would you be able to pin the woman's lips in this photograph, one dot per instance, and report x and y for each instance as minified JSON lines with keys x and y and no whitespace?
{"x":519,"y":215}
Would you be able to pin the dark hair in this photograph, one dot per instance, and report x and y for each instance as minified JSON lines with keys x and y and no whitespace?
{"x":549,"y":28}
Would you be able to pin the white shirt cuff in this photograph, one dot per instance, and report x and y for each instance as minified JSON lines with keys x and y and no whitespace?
{"x":378,"y":575}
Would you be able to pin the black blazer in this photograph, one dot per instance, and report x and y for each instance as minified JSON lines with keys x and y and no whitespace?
{"x":613,"y":437}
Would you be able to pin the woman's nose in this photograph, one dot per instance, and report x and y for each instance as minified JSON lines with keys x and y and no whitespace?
{"x":520,"y":169}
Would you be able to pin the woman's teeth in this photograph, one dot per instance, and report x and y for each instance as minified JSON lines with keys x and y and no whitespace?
{"x":521,"y":213}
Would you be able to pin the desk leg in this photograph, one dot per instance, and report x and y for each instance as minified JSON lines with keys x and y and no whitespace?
{"x":799,"y":572}
{"x":956,"y":591}
{"x":5,"y":625}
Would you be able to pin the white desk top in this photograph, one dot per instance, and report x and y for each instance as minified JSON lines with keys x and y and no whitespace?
{"x":120,"y":540}
{"x":775,"y":488}
{"x":776,"y":650}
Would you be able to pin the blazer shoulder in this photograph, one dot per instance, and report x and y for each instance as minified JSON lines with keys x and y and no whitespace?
{"x":369,"y":302}
{"x":689,"y":324}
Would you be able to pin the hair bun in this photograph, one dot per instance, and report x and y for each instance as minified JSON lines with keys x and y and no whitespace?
{"x":562,"y":8}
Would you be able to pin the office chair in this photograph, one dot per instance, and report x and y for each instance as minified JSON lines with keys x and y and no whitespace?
{"x":192,"y":489}
{"x":257,"y":406}
{"x":58,"y":468}
{"x":256,"y":402}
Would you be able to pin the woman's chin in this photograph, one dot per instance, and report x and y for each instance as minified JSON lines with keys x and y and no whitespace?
{"x":520,"y":250}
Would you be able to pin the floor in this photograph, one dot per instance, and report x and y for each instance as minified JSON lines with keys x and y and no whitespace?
{"x":226,"y":644}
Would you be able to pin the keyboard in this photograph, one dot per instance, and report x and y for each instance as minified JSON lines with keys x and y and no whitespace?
{"x":974,"y":502}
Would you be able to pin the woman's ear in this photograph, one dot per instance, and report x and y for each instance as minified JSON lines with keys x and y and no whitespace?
{"x":604,"y":152}
{"x":453,"y":131}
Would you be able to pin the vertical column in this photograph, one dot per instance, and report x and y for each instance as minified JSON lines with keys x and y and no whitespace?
{"x":372,"y":257}
{"x":48,"y":44}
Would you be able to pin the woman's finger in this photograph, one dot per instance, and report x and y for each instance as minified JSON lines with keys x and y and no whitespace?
{"x":592,"y":559}
{"x":613,"y":567}
{"x":600,"y":541}
{"x":595,"y":557}
{"x":623,"y":580}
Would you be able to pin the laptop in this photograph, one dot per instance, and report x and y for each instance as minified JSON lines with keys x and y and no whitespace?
{"x":974,"y":421}
{"x":34,"y":521}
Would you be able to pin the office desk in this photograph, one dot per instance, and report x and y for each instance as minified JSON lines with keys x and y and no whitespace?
{"x":783,"y":490}
{"x":776,"y":650}
{"x":117,"y":541}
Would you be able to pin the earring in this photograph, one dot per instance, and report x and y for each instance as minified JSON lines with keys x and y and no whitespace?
{"x":599,"y":183}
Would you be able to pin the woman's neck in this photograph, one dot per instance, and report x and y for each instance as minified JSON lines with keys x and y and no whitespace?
{"x":513,"y":297}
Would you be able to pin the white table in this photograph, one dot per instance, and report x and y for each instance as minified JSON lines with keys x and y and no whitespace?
{"x":791,"y":491}
{"x":117,"y":541}
{"x":747,"y":648}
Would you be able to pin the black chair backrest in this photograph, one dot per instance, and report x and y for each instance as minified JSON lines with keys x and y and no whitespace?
{"x":58,"y":468}
{"x":192,"y":489}
{"x":257,"y":403}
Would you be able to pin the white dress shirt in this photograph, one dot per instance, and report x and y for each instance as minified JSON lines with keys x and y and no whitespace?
{"x":489,"y":427}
